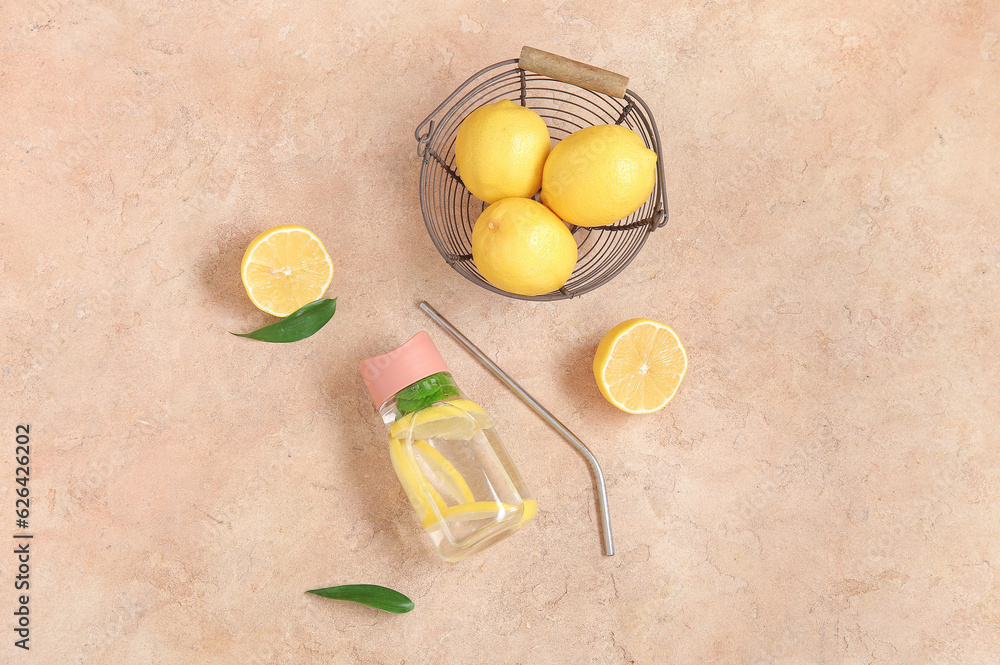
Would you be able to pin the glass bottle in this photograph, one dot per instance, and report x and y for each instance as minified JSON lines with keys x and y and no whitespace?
{"x":447,"y":454}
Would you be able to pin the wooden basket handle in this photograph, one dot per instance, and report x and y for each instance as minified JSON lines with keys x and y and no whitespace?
{"x":570,"y":71}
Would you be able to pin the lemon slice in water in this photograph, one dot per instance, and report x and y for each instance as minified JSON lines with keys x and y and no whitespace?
{"x":530,"y":510}
{"x":444,"y":471}
{"x":458,"y":420}
{"x":414,"y":484}
{"x":442,"y":420}
{"x":473,"y":410}
{"x":477,"y":510}
{"x":491,"y":510}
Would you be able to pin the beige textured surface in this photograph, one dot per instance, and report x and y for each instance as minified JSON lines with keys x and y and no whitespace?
{"x":822,"y":490}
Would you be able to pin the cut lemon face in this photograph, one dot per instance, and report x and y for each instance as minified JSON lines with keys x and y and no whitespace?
{"x":285,"y":268}
{"x":639,"y":365}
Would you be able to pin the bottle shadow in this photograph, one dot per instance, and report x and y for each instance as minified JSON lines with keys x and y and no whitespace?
{"x":372,"y":491}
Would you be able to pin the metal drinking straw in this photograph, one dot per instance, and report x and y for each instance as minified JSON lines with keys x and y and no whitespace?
{"x":602,"y":495}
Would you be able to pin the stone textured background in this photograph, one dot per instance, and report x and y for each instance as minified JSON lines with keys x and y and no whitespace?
{"x":823,"y":489}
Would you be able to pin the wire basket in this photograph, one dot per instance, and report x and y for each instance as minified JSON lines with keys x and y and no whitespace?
{"x":450,"y":210}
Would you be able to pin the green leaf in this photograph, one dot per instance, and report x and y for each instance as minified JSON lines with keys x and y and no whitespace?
{"x":300,"y":324}
{"x":379,"y":597}
{"x":435,"y":388}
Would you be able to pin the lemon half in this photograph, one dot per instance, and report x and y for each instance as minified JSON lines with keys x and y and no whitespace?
{"x":639,"y":365}
{"x":285,"y":268}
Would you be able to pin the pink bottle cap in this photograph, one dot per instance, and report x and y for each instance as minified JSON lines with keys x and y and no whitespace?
{"x":387,"y":374}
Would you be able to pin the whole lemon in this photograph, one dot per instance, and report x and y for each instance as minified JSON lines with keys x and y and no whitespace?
{"x":519,"y":246}
{"x":598,"y":175}
{"x":500,"y":150}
